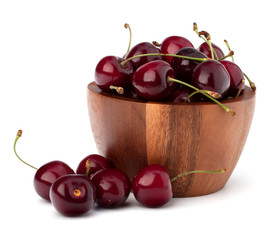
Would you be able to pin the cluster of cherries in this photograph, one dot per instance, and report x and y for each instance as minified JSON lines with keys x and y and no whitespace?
{"x":95,"y":181}
{"x":173,"y":71}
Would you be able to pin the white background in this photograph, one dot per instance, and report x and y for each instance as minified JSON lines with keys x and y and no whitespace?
{"x":48,"y":53}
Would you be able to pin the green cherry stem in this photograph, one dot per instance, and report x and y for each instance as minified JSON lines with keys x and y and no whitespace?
{"x":88,"y":166}
{"x":252,"y":84}
{"x":19,"y":134}
{"x":226,"y":42}
{"x":162,"y":54}
{"x":213,"y":94}
{"x":126,"y":25}
{"x":195,"y":28}
{"x":198,"y":171}
{"x":230,"y":54}
{"x":207,"y":36}
{"x":228,"y":110}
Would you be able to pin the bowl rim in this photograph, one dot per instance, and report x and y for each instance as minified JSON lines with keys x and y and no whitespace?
{"x":92,"y":87}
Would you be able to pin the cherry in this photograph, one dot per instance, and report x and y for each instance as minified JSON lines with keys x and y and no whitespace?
{"x":150,"y":80}
{"x":180,"y":95}
{"x":46,"y":174}
{"x":184,"y":67}
{"x":207,"y":93}
{"x":72,"y":194}
{"x":211,"y":75}
{"x":110,"y":74}
{"x":237,"y":82}
{"x":112,"y":187}
{"x":143,"y":48}
{"x":91,"y":164}
{"x":172,"y":44}
{"x":204,"y":48}
{"x":152,"y":185}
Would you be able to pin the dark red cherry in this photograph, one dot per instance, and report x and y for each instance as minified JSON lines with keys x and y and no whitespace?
{"x":47,"y":174}
{"x":72,"y":195}
{"x":94,"y":163}
{"x":180,"y":95}
{"x":236,"y":77}
{"x":150,"y":80}
{"x":204,"y":48}
{"x":143,"y":48}
{"x":109,"y":72}
{"x":152,"y":186}
{"x":112,"y":187}
{"x":183,"y":67}
{"x":172,"y":44}
{"x":211,"y":75}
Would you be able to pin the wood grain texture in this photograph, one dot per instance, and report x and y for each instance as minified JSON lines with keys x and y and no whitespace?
{"x":182,"y":137}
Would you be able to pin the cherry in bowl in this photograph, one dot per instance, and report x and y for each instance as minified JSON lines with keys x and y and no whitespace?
{"x":143,"y":48}
{"x":150,"y":81}
{"x":172,"y":44}
{"x":111,"y":75}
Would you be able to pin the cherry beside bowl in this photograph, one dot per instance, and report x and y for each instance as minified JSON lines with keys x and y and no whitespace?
{"x":180,"y":136}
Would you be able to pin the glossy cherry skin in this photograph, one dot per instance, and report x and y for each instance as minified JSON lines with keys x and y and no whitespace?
{"x":180,"y":95}
{"x":143,"y":48}
{"x":211,"y":75}
{"x":112,"y":187}
{"x":172,"y":44}
{"x":152,"y":186}
{"x":204,"y":48}
{"x":183,"y":67}
{"x":72,"y":195}
{"x":110,"y":72}
{"x":150,"y":80}
{"x":236,"y":77}
{"x":97,"y":163}
{"x":47,"y":174}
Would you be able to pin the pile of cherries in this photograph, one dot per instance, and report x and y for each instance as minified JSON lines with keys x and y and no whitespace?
{"x":95,"y":181}
{"x":173,"y":71}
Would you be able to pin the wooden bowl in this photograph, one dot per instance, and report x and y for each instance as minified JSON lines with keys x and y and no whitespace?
{"x":181,"y":136}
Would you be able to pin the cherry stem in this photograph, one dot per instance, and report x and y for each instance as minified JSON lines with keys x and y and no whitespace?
{"x":213,"y":94}
{"x":252,"y":84}
{"x":162,"y":54}
{"x":207,"y":36}
{"x":19,"y":134}
{"x":226,"y":42}
{"x":198,"y":171}
{"x":230,"y":54}
{"x":119,"y":90}
{"x":195,"y":28}
{"x":88,"y":166}
{"x":126,"y":25}
{"x":241,"y":88}
{"x":156,"y":44}
{"x":228,"y":110}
